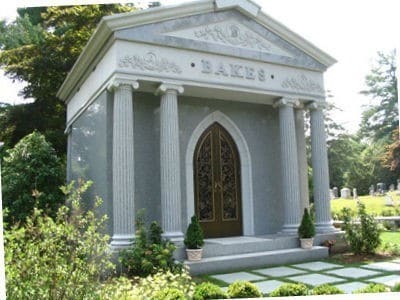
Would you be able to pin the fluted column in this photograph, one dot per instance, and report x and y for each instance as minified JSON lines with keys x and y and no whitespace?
{"x":302,"y":157}
{"x":319,"y":159}
{"x":123,"y":164}
{"x":290,"y":166}
{"x":170,"y":162}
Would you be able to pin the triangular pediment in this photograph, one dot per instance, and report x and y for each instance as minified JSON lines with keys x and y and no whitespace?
{"x":230,"y":33}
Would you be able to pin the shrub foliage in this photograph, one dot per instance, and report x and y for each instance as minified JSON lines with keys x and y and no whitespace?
{"x":208,"y":290}
{"x":290,"y":289}
{"x":307,"y":228}
{"x":32,"y":174}
{"x":363,"y":236}
{"x":243,"y":289}
{"x":326,"y":289}
{"x":150,"y":253}
{"x":194,"y":237}
{"x":60,"y":258}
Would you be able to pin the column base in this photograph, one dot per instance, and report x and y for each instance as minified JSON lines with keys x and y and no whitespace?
{"x":326,"y":227}
{"x":290,"y":229}
{"x":121,"y":241}
{"x":176,"y":237}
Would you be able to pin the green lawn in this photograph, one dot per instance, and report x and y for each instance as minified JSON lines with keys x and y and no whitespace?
{"x":391,"y":236}
{"x":374,"y":205}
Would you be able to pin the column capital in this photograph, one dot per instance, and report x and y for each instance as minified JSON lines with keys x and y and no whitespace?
{"x":317,"y":105}
{"x":167,"y":87}
{"x":116,"y":82}
{"x":287,"y":101}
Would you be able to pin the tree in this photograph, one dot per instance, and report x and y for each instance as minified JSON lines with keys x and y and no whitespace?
{"x":32,"y":174}
{"x":380,"y":118}
{"x":40,"y":48}
{"x":343,"y":153}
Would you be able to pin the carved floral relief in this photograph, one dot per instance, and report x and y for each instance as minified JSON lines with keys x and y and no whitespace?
{"x":302,"y":84}
{"x":231,"y":34}
{"x":149,"y":62}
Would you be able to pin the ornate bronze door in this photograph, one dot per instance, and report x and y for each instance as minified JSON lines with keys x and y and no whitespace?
{"x":217,"y":183}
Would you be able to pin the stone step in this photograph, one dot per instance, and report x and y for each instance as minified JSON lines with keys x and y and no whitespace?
{"x":229,"y":263}
{"x":241,"y":245}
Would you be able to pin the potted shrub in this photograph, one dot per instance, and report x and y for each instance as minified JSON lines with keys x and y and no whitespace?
{"x":194,"y":240}
{"x":306,"y":231}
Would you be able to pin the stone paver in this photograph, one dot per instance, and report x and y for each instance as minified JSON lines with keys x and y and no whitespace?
{"x":268,"y":286}
{"x":315,"y":279}
{"x":396,"y":260}
{"x":279,"y":271}
{"x":389,"y":280}
{"x":317,"y":266}
{"x":350,"y":287}
{"x":386,"y":266}
{"x":232,"y":277}
{"x":353,"y":272}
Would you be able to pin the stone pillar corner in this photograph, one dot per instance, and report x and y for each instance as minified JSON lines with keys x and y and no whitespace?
{"x":117,"y":81}
{"x":164,"y":87}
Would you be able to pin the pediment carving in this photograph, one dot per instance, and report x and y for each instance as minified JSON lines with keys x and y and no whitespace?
{"x":230,"y":33}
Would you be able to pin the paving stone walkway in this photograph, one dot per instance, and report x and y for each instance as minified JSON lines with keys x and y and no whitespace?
{"x":346,"y":278}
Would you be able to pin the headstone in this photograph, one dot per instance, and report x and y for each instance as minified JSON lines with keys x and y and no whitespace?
{"x":391,"y":187}
{"x":372,"y":190}
{"x":380,"y":188}
{"x":355,"y":196}
{"x":335,"y":192}
{"x":345,"y":193}
{"x":398,"y":184}
{"x":389,"y":201}
{"x":331,"y":195}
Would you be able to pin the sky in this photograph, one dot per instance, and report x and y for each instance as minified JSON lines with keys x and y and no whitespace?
{"x":352,"y":31}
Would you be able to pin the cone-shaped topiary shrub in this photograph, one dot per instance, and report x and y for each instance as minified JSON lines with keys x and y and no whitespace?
{"x":306,"y":229}
{"x":194,"y":237}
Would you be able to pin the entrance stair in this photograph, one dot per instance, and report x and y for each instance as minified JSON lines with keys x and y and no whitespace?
{"x":235,"y":253}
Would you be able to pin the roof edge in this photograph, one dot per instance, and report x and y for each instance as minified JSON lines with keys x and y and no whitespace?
{"x":112,"y":23}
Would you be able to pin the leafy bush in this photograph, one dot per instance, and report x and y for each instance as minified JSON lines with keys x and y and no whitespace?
{"x":153,"y":285}
{"x":243,"y":289}
{"x":306,"y":229}
{"x":150,"y":253}
{"x":326,"y":289}
{"x":194,"y":237}
{"x":391,"y":248}
{"x":363,"y":237}
{"x":208,"y":290}
{"x":118,"y":288}
{"x":372,"y":288}
{"x":290,"y":289}
{"x":32,"y":174}
{"x":61,"y":258}
{"x":169,"y":294}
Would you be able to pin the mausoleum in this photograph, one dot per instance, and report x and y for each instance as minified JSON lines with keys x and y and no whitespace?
{"x":198,"y":109}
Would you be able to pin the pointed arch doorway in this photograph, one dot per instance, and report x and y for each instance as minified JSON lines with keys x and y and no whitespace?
{"x":217,"y":182}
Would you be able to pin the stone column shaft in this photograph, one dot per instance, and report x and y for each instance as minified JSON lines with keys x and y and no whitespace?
{"x":170,"y":162}
{"x":290,"y":166}
{"x":302,"y":159}
{"x":123,"y":165}
{"x":319,"y":159}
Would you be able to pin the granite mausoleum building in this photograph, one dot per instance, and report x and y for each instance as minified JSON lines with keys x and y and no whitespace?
{"x":199,"y":109}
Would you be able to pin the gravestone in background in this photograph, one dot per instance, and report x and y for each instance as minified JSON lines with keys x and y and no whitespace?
{"x":345,"y":193}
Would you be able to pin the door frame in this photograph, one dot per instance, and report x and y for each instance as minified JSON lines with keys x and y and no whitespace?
{"x":245,"y":168}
